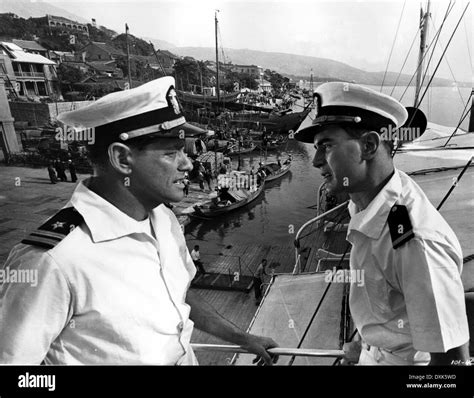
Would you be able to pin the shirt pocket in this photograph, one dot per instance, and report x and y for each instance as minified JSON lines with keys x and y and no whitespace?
{"x":376,"y":289}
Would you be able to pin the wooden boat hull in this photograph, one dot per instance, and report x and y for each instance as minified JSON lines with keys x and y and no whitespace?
{"x":280,"y":173}
{"x":242,"y":151}
{"x":202,"y":99}
{"x":216,"y":212}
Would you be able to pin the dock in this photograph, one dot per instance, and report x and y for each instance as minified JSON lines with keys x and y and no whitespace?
{"x":238,"y":306}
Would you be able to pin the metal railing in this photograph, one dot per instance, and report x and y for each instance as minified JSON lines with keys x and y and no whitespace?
{"x":280,"y":351}
{"x":307,"y":224}
{"x":230,"y":255}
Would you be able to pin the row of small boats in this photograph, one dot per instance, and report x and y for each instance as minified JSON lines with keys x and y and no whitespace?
{"x":235,"y":148}
{"x":242,"y":189}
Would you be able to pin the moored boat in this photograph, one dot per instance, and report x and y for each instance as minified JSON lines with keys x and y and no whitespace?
{"x":274,"y":170}
{"x":229,"y":200}
{"x":235,"y":149}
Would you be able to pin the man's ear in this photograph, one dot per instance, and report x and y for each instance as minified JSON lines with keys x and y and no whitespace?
{"x":120,"y":157}
{"x":370,"y":142}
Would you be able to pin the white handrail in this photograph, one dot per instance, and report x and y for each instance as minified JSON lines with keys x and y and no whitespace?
{"x":297,"y":352}
{"x":313,"y":220}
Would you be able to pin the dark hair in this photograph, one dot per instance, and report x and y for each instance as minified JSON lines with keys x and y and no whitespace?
{"x":357,"y":132}
{"x":196,"y":246}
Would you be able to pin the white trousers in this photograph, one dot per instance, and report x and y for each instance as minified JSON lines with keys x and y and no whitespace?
{"x":371,"y":355}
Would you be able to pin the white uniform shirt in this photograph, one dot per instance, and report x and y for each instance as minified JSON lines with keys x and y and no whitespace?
{"x":108,"y":293}
{"x":195,"y":255}
{"x":412,"y":298}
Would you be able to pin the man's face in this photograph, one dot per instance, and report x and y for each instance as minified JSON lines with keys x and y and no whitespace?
{"x":158,"y":171}
{"x":338,"y":156}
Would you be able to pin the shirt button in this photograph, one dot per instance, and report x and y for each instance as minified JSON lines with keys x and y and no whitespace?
{"x":180,"y":326}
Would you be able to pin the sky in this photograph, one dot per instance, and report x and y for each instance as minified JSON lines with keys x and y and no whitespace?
{"x":359,"y":33}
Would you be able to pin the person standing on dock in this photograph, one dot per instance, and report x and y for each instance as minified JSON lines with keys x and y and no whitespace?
{"x":72,"y":170}
{"x":60,"y":169}
{"x":52,"y":173}
{"x":196,"y":257}
{"x":186,"y":184}
{"x":208,"y":177}
{"x":258,"y":280}
{"x":111,"y":270}
{"x":411,"y":307}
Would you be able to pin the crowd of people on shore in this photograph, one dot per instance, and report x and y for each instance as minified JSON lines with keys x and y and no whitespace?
{"x":57,"y":170}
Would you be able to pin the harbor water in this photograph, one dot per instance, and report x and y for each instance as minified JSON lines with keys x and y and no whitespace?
{"x":275,"y":216}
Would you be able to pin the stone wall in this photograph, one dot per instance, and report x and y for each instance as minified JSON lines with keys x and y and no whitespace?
{"x":39,"y":114}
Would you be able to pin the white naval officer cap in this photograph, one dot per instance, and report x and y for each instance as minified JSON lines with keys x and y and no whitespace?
{"x":152,"y":108}
{"x":351,"y":104}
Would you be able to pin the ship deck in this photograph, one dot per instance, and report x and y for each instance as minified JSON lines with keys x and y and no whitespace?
{"x":236,"y":306}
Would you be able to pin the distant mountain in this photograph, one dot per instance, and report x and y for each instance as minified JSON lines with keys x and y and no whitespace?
{"x":160,"y":44}
{"x":300,"y":66}
{"x":27,"y":9}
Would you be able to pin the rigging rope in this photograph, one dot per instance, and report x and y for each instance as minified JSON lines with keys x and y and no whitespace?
{"x":450,"y":69}
{"x":442,"y":55}
{"x":448,"y":11}
{"x":393,"y":45}
{"x":417,"y":106}
{"x":458,"y":178}
{"x":467,"y":41}
{"x":462,"y":119}
{"x":300,"y":343}
{"x":434,"y":48}
{"x":404,"y":62}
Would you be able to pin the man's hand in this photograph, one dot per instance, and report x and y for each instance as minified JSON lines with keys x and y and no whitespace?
{"x":208,"y":320}
{"x":351,"y":353}
{"x":258,"y":345}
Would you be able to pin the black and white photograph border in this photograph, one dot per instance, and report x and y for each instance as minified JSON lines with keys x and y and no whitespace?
{"x":303,"y":170}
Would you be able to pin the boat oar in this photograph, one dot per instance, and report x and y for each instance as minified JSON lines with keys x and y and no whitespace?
{"x":297,"y":352}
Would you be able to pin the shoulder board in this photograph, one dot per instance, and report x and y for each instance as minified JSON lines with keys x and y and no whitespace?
{"x":401,"y":230}
{"x":55,"y":229}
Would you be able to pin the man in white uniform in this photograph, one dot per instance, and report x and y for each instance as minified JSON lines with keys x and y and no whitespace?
{"x":112,"y":267}
{"x":411,"y":303}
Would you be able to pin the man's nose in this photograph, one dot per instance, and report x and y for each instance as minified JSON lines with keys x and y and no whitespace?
{"x":319,"y":159}
{"x":185,"y":163}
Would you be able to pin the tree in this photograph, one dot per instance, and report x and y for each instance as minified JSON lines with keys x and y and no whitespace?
{"x":188,"y":74}
{"x":244,"y":79}
{"x":70,"y":74}
{"x":136,"y":46}
{"x":276,"y":80}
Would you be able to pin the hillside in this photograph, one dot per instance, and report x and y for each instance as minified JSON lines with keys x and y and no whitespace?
{"x":300,"y":66}
{"x":160,"y":44}
{"x":295,"y":66}
{"x":27,"y":8}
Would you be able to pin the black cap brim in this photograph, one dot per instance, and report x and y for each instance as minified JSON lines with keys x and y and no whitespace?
{"x":416,"y":120}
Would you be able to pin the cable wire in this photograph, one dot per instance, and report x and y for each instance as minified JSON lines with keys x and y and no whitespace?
{"x":393,"y":45}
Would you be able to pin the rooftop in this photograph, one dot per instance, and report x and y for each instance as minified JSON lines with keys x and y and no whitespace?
{"x":29,"y":45}
{"x":106,"y":47}
{"x":17,"y":54}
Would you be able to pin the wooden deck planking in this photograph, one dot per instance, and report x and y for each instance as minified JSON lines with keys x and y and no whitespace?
{"x":238,"y":307}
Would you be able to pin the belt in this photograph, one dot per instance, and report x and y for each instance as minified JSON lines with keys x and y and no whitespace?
{"x":379,"y":353}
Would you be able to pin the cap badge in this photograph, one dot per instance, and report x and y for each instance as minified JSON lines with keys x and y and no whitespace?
{"x":173,"y":101}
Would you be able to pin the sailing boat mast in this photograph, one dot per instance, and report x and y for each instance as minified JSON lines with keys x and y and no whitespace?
{"x":217,"y":59}
{"x":128,"y":58}
{"x":471,"y":117}
{"x":424,"y":18}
